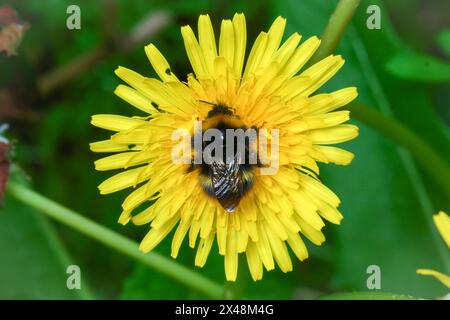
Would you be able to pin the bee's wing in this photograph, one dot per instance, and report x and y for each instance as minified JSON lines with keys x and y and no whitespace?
{"x":227,"y":183}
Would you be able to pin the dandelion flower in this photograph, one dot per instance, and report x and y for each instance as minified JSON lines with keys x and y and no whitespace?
{"x":245,"y":211}
{"x":442,"y":222}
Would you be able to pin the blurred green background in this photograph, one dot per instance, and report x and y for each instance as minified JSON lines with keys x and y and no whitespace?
{"x":387,"y":199}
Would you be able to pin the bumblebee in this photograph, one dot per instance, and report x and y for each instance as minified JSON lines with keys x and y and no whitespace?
{"x":227,"y":178}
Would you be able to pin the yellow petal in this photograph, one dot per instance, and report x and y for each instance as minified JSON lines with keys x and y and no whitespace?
{"x":135,"y":98}
{"x":336,"y":155}
{"x":231,"y":256}
{"x":279,"y":250}
{"x":276,"y":226}
{"x":160,"y":64}
{"x":256,"y":54}
{"x":145,"y":216}
{"x":263,"y":247}
{"x":108,"y":146}
{"x":250,"y":228}
{"x":220,"y":68}
{"x":155,"y":236}
{"x":310,"y":216}
{"x":226,"y":42}
{"x":298,"y":246}
{"x":240,"y":37}
{"x":179,"y":235}
{"x":114,"y":122}
{"x":169,"y":97}
{"x":207,"y":224}
{"x":132,"y":137}
{"x":194,"y":52}
{"x":207,"y":41}
{"x":203,"y":250}
{"x":321,"y":72}
{"x":275,"y":34}
{"x":289,"y":223}
{"x":124,"y":217}
{"x":135,"y":199}
{"x":300,"y":56}
{"x":264,"y":81}
{"x":123,"y":180}
{"x":438,"y":275}
{"x":326,"y":102}
{"x":134,"y":79}
{"x":222,"y":233}
{"x":242,"y":240}
{"x":115,"y":161}
{"x":308,"y":231}
{"x":330,"y":213}
{"x":152,"y":89}
{"x":318,"y":190}
{"x":254,"y":262}
{"x":163,"y":205}
{"x":337,"y":134}
{"x":285,"y":52}
{"x":327,"y":120}
{"x":442,"y":222}
{"x":193,"y":232}
{"x":249,"y":208}
{"x":293,"y":87}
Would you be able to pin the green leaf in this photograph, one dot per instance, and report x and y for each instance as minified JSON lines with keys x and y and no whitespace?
{"x":33,"y":264}
{"x":443,"y":41}
{"x":384,"y":201}
{"x":419,"y":67}
{"x":143,"y":283}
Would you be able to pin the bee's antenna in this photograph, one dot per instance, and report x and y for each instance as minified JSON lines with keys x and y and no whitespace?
{"x":207,"y":102}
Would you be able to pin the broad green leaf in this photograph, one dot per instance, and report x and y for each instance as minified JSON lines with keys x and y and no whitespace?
{"x":33,"y":262}
{"x":385,"y":204}
{"x":419,"y":67}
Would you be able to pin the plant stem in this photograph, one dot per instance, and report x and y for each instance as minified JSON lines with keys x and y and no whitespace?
{"x":116,"y":241}
{"x":335,"y":29}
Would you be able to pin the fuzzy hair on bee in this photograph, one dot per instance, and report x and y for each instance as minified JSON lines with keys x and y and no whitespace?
{"x":229,"y":178}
